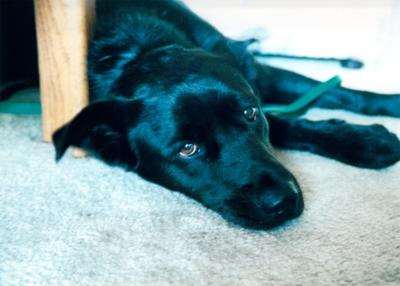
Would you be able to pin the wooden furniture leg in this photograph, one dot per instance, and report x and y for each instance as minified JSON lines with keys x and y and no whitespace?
{"x":63,"y":30}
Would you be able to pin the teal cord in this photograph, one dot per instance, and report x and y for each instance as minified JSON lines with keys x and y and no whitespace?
{"x":303,"y":102}
{"x":20,"y":107}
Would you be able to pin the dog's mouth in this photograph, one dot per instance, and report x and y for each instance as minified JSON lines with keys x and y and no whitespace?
{"x":267,"y":221}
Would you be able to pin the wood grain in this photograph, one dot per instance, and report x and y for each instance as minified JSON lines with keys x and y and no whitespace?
{"x":63,"y":31}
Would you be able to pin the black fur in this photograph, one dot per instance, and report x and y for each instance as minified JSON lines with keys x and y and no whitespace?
{"x":160,"y":77}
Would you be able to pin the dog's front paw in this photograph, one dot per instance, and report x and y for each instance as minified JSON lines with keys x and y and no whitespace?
{"x":371,"y":146}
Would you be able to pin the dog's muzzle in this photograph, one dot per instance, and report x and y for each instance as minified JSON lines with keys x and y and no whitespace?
{"x":267,"y":205}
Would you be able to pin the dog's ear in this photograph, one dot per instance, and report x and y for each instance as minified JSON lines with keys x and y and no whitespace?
{"x":244,"y":59}
{"x":102,"y":129}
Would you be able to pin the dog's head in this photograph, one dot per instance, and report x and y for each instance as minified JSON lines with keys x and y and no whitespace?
{"x":188,"y":120}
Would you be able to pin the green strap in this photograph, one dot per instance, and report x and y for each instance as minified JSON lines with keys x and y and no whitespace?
{"x":303,"y":102}
{"x":20,"y":107}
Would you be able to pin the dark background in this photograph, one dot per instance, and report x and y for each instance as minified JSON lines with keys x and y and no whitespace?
{"x":18,"y":48}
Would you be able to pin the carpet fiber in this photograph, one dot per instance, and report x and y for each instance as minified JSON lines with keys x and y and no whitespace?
{"x":81,"y":222}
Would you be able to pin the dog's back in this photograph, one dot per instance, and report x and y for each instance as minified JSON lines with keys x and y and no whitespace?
{"x":126,"y":31}
{"x":123,"y":33}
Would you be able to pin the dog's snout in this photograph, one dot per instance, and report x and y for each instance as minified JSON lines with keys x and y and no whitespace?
{"x":275,"y":202}
{"x":271,"y":201}
{"x":283,"y":201}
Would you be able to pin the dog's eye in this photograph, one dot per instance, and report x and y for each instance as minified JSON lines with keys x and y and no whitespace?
{"x":189,"y":150}
{"x":250,"y":113}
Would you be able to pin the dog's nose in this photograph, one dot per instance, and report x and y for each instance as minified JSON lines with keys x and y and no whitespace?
{"x":275,"y":202}
{"x":268,"y":201}
{"x":280,"y":202}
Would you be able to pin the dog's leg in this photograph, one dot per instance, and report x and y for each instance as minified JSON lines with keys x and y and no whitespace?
{"x":366,"y":146}
{"x":280,"y":86}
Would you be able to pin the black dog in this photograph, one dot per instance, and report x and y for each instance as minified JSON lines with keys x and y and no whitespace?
{"x":178,"y":103}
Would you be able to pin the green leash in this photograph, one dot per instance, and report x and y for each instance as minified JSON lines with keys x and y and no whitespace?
{"x":301,"y":104}
{"x":20,"y":107}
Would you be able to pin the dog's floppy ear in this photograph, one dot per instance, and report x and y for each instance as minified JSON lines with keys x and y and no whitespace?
{"x":101,"y":129}
{"x":243,"y":58}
